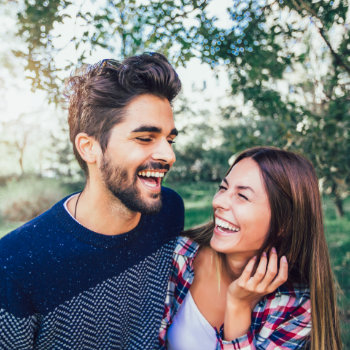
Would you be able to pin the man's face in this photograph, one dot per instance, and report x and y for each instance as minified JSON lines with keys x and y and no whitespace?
{"x":139,"y":154}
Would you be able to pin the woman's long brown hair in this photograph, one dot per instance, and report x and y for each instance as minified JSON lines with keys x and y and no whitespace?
{"x":296,"y":230}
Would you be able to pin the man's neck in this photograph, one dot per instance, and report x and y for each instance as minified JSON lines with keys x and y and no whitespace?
{"x":101,"y":212}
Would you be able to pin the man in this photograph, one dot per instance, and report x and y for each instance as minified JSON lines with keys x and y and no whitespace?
{"x":92,"y":271}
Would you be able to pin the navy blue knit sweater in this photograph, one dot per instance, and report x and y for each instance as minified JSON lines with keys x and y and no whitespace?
{"x":63,"y":286}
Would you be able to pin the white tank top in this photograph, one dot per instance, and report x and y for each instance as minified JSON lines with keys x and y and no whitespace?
{"x":190,"y":330}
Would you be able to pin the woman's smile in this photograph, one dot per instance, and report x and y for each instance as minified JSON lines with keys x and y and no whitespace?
{"x":242,"y":211}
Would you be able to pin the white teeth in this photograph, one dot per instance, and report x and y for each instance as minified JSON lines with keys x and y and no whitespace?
{"x":225,"y":224}
{"x":150,"y":173}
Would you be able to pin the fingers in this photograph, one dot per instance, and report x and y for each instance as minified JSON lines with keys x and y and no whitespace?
{"x":260,"y":272}
{"x":272,"y":268}
{"x":247,"y":272}
{"x":268,"y":276}
{"x":282,"y":275}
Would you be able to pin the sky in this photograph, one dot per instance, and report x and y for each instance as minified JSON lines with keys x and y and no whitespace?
{"x":19,"y":103}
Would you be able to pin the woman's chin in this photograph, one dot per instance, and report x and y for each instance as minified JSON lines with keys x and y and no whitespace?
{"x":223,"y":245}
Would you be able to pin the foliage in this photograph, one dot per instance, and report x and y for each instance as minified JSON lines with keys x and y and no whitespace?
{"x":197,"y":197}
{"x":196,"y":160}
{"x":63,"y":163}
{"x":289,"y":60}
{"x":123,"y":28}
{"x":24,"y":198}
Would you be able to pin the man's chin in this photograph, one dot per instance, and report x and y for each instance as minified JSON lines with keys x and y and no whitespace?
{"x":152,"y":206}
{"x":144,"y":204}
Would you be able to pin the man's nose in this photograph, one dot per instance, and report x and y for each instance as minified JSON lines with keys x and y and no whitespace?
{"x":164,"y":152}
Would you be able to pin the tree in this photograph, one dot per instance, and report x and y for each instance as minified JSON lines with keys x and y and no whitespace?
{"x":17,"y":135}
{"x":120,"y":27}
{"x":290,"y":61}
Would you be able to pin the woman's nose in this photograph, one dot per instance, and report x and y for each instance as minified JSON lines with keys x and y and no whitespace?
{"x":221,"y":200}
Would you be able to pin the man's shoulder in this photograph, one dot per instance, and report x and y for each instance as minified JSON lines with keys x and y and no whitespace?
{"x":172,"y":202}
{"x":173,"y":209}
{"x":29,"y":235}
{"x":169,"y":194}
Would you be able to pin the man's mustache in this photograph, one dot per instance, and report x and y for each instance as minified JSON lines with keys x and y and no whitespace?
{"x":153,"y":166}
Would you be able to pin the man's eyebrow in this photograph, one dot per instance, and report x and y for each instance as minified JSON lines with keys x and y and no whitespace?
{"x":224,"y":180}
{"x":147,"y":128}
{"x":150,"y":128}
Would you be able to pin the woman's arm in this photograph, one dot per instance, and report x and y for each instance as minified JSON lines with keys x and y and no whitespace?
{"x":281,"y":321}
{"x":245,"y":292}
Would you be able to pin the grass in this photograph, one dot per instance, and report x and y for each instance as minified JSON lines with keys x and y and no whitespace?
{"x":197,"y":198}
{"x":21,"y":199}
{"x":338,"y":238}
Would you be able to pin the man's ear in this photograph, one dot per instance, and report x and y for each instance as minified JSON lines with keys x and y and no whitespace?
{"x":88,"y":148}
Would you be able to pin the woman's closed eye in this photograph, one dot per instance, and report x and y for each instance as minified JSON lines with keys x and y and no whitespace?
{"x":243,"y":196}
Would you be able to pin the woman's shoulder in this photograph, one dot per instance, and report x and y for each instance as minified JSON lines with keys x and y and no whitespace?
{"x":294,"y":290}
{"x":186,"y":247}
{"x":290,"y":297}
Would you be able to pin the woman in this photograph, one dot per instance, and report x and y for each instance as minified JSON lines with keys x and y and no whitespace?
{"x":258,"y":276}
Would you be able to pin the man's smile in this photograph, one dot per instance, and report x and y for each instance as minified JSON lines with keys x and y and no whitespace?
{"x":152,"y":178}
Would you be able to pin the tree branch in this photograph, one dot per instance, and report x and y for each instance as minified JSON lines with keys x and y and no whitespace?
{"x":338,"y":59}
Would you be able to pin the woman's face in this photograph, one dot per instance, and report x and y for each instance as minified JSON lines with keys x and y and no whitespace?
{"x":242,"y":211}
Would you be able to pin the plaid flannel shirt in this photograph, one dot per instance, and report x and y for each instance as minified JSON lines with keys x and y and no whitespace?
{"x":281,"y":320}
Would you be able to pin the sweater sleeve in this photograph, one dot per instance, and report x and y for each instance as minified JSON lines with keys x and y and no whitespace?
{"x":287,"y":325}
{"x":17,"y":324}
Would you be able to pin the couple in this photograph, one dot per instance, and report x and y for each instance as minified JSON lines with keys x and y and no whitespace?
{"x":106,"y":269}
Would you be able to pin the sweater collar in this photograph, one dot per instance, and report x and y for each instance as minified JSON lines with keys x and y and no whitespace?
{"x":67,"y":222}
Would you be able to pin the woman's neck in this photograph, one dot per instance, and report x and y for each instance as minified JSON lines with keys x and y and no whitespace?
{"x":234,"y":264}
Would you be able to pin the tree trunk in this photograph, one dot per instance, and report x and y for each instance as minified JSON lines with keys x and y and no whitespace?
{"x":338,"y":201}
{"x":339,"y":206}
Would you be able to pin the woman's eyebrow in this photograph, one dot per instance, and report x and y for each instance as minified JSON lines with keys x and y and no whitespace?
{"x":225,"y":181}
{"x":240,"y":187}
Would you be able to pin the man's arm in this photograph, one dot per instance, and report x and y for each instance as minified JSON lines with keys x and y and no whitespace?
{"x":18,"y":324}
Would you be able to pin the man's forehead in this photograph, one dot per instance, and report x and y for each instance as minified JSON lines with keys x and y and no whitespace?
{"x":147,"y":113}
{"x":131,"y":125}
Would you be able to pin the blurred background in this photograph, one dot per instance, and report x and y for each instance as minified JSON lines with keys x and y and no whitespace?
{"x":254,"y":72}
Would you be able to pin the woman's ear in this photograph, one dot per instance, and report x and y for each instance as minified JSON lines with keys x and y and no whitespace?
{"x":88,"y":148}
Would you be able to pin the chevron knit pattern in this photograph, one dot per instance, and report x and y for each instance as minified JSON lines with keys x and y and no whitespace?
{"x":116,"y":308}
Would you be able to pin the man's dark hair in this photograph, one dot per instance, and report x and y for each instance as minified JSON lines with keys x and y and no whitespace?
{"x":98,"y":94}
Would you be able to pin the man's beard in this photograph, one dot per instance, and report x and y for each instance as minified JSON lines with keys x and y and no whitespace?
{"x":116,"y":180}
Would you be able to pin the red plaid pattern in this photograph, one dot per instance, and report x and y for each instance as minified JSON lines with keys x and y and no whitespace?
{"x":281,"y":320}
